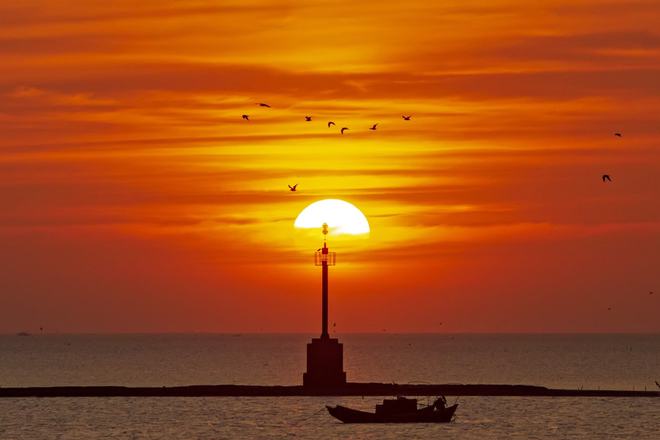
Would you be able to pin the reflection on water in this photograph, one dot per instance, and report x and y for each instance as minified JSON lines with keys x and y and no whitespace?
{"x":286,"y":417}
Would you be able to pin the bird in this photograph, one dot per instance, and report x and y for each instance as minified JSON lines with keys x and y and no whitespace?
{"x":330,"y":124}
{"x":406,"y":118}
{"x":343,"y":128}
{"x":650,"y":293}
{"x":246,"y":117}
{"x":607,"y":178}
{"x":308,"y":118}
{"x":373,"y":127}
{"x":657,"y":384}
{"x":261,"y":104}
{"x":609,"y":308}
{"x":292,"y":188}
{"x":617,"y":134}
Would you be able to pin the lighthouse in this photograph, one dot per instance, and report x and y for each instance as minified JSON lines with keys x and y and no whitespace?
{"x":325,"y":355}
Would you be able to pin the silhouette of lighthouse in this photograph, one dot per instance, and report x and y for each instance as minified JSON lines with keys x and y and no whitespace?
{"x":325,"y":355}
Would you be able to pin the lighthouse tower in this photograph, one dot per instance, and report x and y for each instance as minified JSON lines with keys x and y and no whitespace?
{"x":325,"y":355}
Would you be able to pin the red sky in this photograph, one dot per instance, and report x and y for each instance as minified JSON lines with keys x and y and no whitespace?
{"x":135,"y":198}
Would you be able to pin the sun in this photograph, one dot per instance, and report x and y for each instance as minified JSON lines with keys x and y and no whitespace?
{"x":342,"y":217}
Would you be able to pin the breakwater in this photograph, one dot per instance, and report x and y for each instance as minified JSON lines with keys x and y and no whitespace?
{"x":350,"y":389}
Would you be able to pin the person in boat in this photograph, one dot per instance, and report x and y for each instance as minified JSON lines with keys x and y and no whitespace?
{"x":440,"y":403}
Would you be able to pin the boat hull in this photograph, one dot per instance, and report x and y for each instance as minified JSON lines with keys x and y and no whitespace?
{"x":425,"y":415}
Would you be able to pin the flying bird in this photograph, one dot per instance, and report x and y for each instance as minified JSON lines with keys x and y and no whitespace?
{"x":292,"y":188}
{"x":373,"y":127}
{"x":617,"y":134}
{"x":308,"y":118}
{"x":261,"y":104}
{"x":406,"y":118}
{"x":609,"y":308}
{"x":343,"y":128}
{"x":330,"y":124}
{"x":607,"y":178}
{"x":657,"y":384}
{"x":650,"y":293}
{"x":246,"y":117}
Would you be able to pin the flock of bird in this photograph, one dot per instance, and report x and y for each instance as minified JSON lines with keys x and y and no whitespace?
{"x":606,"y":177}
{"x":374,"y":127}
{"x":330,"y":123}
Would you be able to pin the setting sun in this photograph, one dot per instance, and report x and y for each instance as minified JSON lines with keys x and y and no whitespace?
{"x":342,"y":217}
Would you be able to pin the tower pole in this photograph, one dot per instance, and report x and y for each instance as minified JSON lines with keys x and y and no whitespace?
{"x":324,"y":300}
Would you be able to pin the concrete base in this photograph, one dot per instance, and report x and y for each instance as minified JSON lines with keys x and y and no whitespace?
{"x":325,"y":364}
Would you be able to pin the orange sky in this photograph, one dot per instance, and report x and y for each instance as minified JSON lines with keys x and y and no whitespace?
{"x":134,"y":198}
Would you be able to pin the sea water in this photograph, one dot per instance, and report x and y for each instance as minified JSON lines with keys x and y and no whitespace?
{"x":566,"y":361}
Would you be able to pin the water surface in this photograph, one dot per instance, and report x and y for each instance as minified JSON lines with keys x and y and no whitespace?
{"x":567,"y":361}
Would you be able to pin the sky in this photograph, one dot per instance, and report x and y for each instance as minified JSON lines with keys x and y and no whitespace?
{"x":134,"y":197}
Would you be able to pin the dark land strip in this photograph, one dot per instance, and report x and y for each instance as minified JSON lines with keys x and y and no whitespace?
{"x":350,"y":389}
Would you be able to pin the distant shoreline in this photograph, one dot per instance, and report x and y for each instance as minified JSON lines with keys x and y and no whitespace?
{"x":341,"y":334}
{"x":351,"y":389}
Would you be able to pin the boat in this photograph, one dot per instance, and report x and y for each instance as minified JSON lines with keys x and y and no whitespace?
{"x":399,"y":410}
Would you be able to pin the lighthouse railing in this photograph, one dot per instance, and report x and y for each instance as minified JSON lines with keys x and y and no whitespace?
{"x":330,"y":258}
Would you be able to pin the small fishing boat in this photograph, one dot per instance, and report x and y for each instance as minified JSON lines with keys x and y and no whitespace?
{"x":399,"y":410}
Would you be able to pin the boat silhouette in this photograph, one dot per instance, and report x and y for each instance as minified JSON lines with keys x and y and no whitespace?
{"x":399,"y":410}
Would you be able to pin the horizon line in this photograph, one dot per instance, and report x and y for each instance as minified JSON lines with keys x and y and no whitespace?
{"x":236,"y":333}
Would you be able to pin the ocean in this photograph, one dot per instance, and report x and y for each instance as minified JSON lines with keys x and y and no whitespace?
{"x":557,"y":360}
